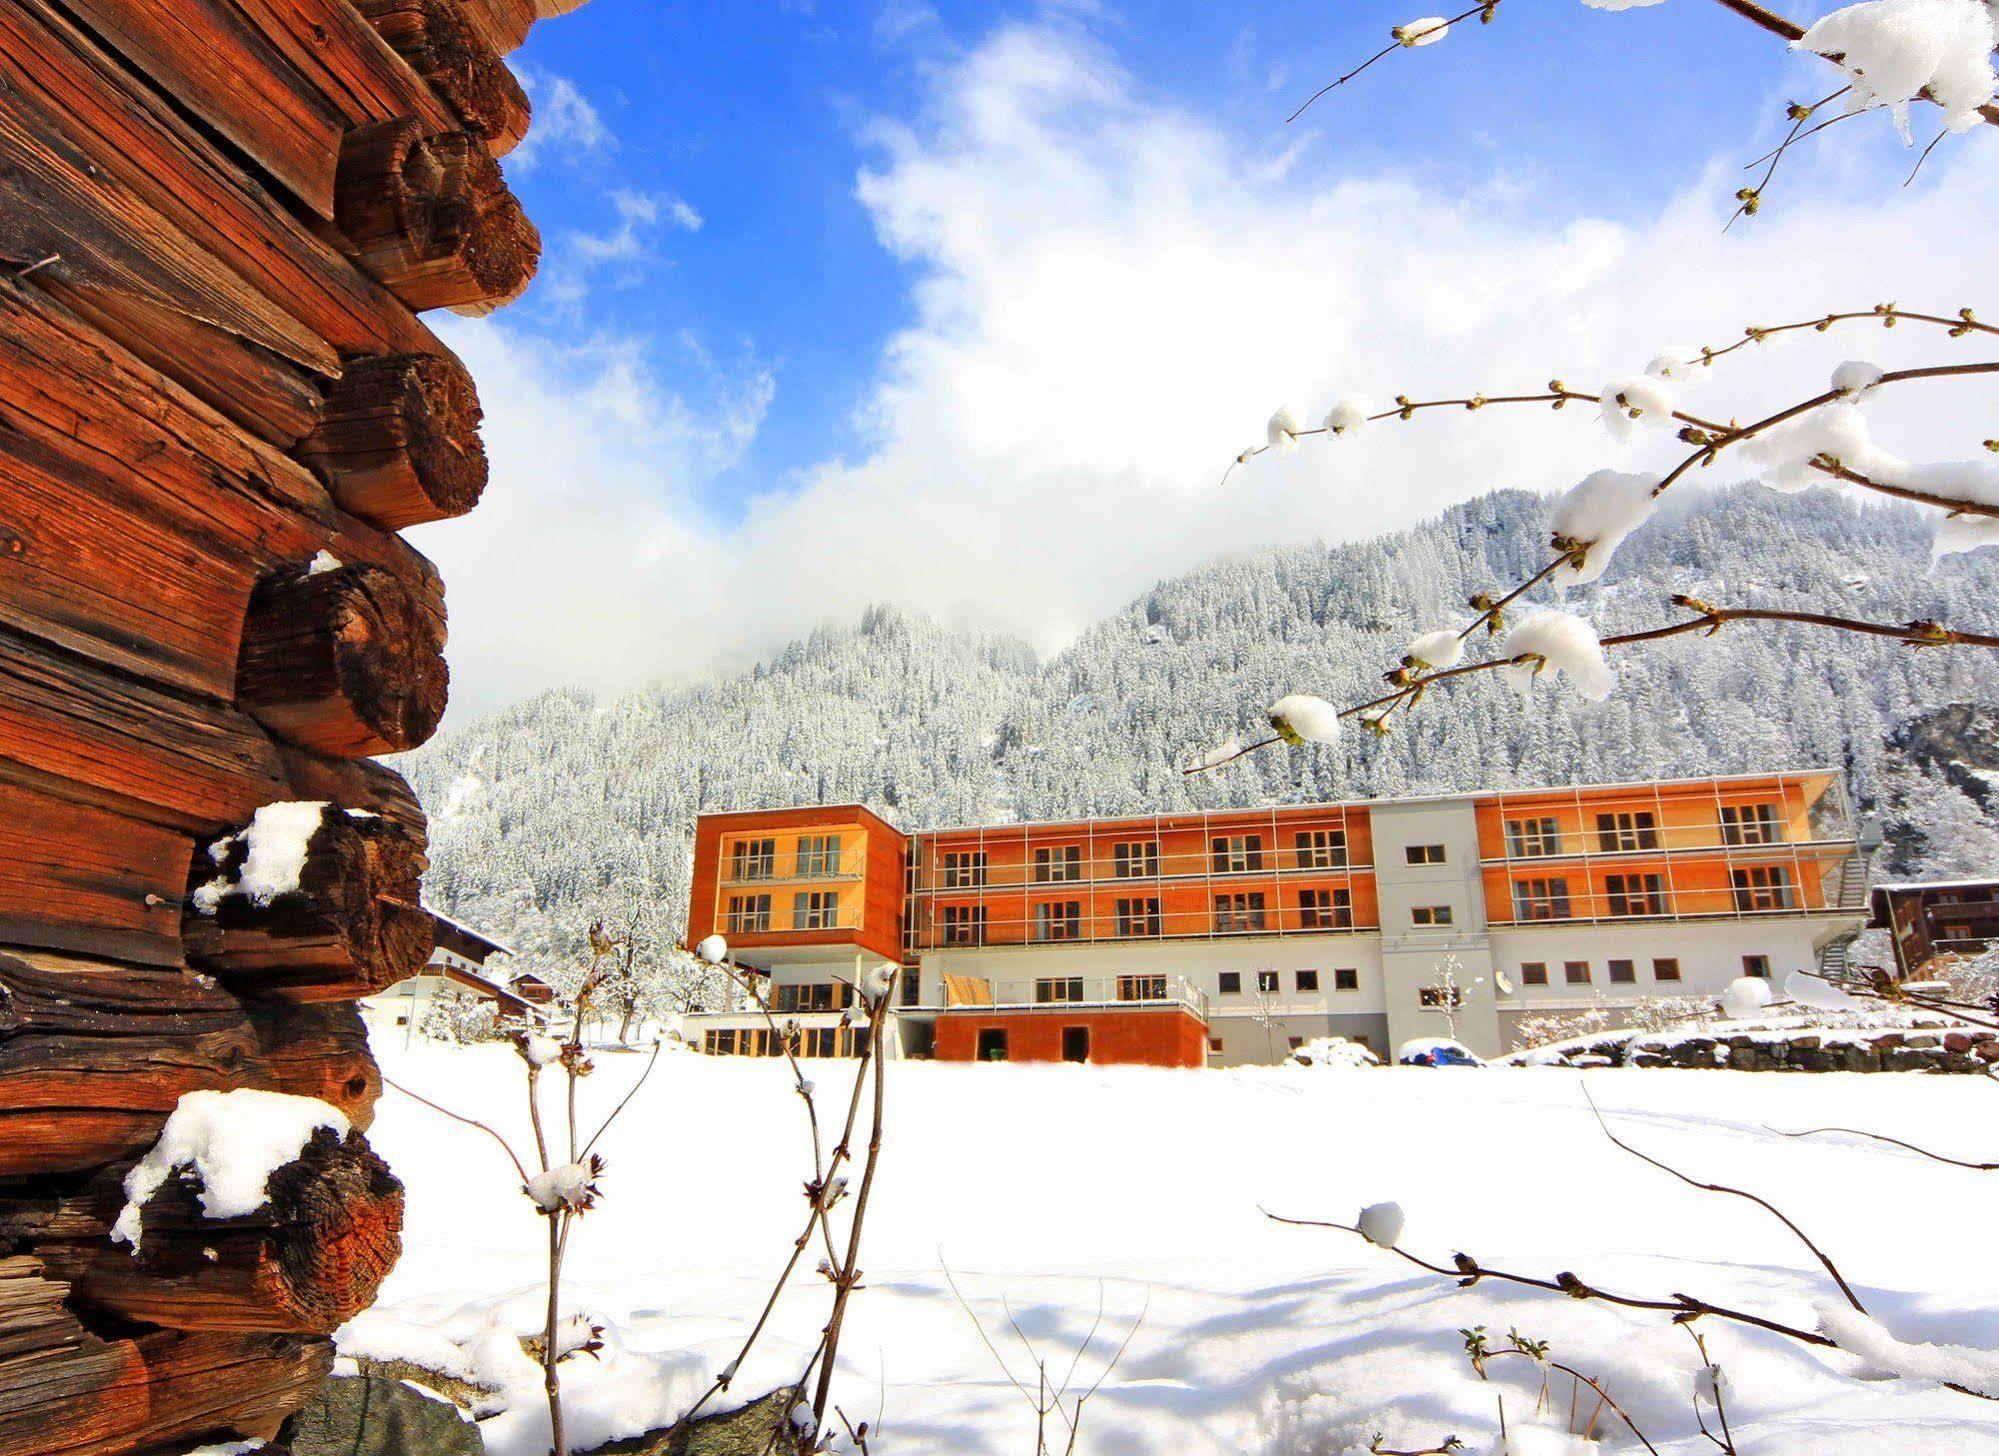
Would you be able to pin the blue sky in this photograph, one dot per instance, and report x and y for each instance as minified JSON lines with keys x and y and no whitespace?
{"x":843,"y":302}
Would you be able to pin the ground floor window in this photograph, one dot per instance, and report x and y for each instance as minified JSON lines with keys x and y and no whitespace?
{"x":1437,"y":998}
{"x":1665,"y":968}
{"x":1075,"y":1043}
{"x":1231,"y":983}
{"x":1534,"y":973}
{"x":1346,"y":978}
{"x":992,"y":1044}
{"x":1756,"y":965}
{"x":1623,"y":971}
{"x":1576,"y":973}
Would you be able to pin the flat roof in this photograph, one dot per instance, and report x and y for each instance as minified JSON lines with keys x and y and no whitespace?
{"x":1344,"y":804}
{"x":858,"y":809}
{"x":1940,"y":885}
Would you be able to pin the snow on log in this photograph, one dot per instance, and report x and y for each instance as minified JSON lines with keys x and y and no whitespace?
{"x":441,"y":45}
{"x":233,"y":1222}
{"x":430,"y":217}
{"x":309,"y":903}
{"x":342,"y":660}
{"x":356,"y":783}
{"x":94,"y":1055}
{"x":398,"y":443}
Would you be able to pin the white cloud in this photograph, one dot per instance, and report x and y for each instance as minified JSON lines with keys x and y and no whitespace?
{"x":565,"y":121}
{"x":1110,"y":299}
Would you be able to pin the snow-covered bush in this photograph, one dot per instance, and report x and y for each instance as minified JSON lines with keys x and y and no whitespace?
{"x":459,"y":1019}
{"x":1334,"y":1051}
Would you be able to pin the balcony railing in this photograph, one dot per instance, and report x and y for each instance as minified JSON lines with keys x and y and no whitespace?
{"x":780,"y":922}
{"x":1282,"y":862}
{"x":1059,"y":992}
{"x":1670,"y":840}
{"x":769,"y":872}
{"x":1197,"y":924}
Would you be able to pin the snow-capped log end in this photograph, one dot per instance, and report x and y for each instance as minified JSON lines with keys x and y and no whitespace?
{"x":345,"y":662}
{"x":442,"y":45}
{"x":310,"y":903}
{"x":398,"y":443}
{"x":431,"y":218}
{"x":309,"y":1256}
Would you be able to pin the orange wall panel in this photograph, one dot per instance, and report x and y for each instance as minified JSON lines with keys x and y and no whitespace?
{"x":1162,"y":1038}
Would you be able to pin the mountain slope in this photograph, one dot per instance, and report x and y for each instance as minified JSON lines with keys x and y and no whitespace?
{"x":566,"y":807}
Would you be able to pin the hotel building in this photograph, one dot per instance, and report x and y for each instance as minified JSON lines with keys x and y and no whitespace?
{"x":1223,"y":937}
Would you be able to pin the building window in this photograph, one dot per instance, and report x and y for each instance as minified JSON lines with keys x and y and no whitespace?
{"x":1757,"y":966}
{"x":963,"y":924}
{"x":1138,"y":860}
{"x":1308,"y":980}
{"x":1138,"y":917}
{"x":812,"y":996}
{"x":753,"y":859}
{"x":1531,"y":838}
{"x":1751,"y":824}
{"x":1057,"y":863}
{"x":1233,"y":854}
{"x":719,"y":1043}
{"x":1541,"y":899}
{"x":963,"y":869}
{"x":1346,"y":978}
{"x":1325,"y":909}
{"x":1436,"y":998}
{"x":1665,"y":968}
{"x":1430,"y":915}
{"x":1623,"y":972}
{"x":991,"y":1044}
{"x":1075,"y":1043}
{"x":912,"y":986}
{"x":1239,"y":912}
{"x":748,"y":914}
{"x":1576,"y":972}
{"x":820,"y":1041}
{"x":1423,"y":854}
{"x":818,"y":856}
{"x":815,"y":909}
{"x":1534,"y":973}
{"x":1636,"y":894}
{"x":1626,"y":830}
{"x":1058,"y":920}
{"x":1266,"y":983}
{"x":1321,"y":849}
{"x":1763,"y":887}
{"x":1141,"y":988}
{"x":1214,"y":1044}
{"x":1231,"y":983}
{"x":1049,"y":990}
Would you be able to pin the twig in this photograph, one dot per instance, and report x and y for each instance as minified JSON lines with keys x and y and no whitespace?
{"x":1892,"y":1142}
{"x":505,"y":1146}
{"x":1575,"y":1374}
{"x":1768,"y":1207}
{"x":1486,"y":9}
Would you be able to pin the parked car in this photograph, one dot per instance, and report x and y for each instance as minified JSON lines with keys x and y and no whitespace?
{"x":1437,"y":1051}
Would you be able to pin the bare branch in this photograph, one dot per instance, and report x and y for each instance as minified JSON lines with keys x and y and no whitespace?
{"x":1485,"y":10}
{"x":1892,"y":1142}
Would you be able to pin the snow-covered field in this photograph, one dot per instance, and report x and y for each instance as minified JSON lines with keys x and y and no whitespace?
{"x":1048,"y":1191}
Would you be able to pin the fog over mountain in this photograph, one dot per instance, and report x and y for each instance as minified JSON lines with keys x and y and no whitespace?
{"x":566,"y":807}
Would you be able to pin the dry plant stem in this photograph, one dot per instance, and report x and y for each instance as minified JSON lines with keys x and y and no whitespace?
{"x":1725,"y":1442}
{"x":505,"y":1147}
{"x":848,"y":1272}
{"x":1894,"y":1143}
{"x":1681,"y":1306}
{"x":1768,"y":1207}
{"x":1486,"y":7}
{"x":1602,"y":1394}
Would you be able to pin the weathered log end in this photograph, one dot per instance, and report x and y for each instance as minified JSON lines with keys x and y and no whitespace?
{"x":307,"y":1261}
{"x":355,"y":783}
{"x":504,"y":24}
{"x":432,"y":219}
{"x":342,"y":660}
{"x":443,"y":46}
{"x":350,"y":926}
{"x":399,"y":442}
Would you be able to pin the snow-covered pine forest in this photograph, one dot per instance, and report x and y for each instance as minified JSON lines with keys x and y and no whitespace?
{"x":565,"y":808}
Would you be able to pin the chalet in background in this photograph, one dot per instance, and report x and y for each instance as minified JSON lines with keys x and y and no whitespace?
{"x":1232,"y":936}
{"x":1936,"y":917}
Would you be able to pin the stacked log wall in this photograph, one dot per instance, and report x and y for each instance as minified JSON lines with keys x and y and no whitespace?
{"x":221,"y":222}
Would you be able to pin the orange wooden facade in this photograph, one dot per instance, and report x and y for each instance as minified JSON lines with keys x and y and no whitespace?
{"x":1152,"y":1037}
{"x":868,"y":888}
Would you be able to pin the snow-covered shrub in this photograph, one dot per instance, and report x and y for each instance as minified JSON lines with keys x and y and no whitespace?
{"x":1334,"y":1051}
{"x":460,"y":1019}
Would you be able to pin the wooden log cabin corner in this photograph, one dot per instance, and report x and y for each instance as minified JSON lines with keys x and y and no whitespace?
{"x":219,"y":223}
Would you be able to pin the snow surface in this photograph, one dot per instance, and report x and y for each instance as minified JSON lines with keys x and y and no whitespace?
{"x":1048,"y":1189}
{"x":233,"y":1141}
